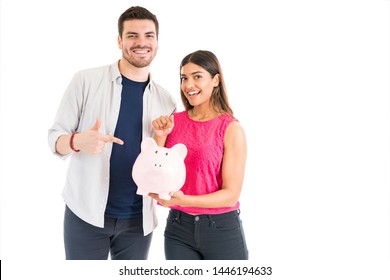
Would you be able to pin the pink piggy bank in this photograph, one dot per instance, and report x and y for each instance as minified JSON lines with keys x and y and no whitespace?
{"x":159,"y":170}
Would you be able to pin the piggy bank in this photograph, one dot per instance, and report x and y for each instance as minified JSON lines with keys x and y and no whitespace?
{"x":159,"y":170}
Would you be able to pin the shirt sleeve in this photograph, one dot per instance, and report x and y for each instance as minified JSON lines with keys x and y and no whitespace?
{"x":68,"y":114}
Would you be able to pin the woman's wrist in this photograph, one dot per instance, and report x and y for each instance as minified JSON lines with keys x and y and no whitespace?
{"x":160,"y":140}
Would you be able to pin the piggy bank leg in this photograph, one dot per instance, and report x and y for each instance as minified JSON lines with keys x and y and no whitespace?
{"x":164,"y":196}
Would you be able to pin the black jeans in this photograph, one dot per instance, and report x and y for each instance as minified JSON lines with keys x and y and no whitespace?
{"x":204,"y":237}
{"x":122,"y":238}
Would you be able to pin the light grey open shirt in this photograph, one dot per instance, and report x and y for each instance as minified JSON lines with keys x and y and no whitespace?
{"x":96,"y":93}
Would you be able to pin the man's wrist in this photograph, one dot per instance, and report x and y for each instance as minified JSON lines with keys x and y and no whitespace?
{"x":71,"y":144}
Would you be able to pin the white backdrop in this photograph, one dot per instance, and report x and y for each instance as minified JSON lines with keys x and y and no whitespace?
{"x":308,"y":80}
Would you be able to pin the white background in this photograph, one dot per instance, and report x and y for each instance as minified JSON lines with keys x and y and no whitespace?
{"x":308,"y":80}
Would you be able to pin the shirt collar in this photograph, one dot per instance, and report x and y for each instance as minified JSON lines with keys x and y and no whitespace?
{"x":116,"y":75}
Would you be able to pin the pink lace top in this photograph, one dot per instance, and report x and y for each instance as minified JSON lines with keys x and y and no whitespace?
{"x":205,"y":144}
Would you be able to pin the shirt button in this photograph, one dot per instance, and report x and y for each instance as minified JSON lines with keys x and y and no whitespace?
{"x":197,"y":218}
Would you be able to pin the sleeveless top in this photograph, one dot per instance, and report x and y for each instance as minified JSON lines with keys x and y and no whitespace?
{"x":205,"y":145}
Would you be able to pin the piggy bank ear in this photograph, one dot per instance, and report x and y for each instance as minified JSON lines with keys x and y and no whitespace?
{"x":181,"y":149}
{"x":148,"y":144}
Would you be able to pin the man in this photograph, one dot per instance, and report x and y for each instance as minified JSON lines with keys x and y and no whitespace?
{"x":103,"y":117}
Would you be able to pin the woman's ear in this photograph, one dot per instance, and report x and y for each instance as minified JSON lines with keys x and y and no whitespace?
{"x":216,"y":80}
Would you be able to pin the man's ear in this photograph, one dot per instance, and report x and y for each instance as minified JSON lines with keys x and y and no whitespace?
{"x":119,"y":42}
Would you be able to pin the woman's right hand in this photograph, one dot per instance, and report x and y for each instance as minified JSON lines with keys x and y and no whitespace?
{"x":163,"y":125}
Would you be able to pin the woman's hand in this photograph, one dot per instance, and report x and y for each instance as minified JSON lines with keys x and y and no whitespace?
{"x":163,"y":125}
{"x":177,"y":199}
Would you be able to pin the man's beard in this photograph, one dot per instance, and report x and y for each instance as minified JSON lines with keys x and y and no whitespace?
{"x":139,"y":63}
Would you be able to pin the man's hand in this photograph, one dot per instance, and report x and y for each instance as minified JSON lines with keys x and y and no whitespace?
{"x":91,"y":141}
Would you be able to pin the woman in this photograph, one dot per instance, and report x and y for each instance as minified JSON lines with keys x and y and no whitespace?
{"x":204,"y":221}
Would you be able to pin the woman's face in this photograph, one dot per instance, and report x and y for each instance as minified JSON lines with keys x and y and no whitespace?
{"x":197,"y":84}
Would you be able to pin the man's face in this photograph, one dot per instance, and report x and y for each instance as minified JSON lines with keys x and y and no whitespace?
{"x":138,"y":43}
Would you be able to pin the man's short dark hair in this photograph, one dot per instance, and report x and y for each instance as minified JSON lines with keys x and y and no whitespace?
{"x":136,"y":12}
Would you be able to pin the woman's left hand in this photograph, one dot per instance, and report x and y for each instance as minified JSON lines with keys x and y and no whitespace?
{"x":176,"y":199}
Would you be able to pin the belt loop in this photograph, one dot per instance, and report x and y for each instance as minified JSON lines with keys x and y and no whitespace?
{"x":212,"y":222}
{"x":178,"y":216}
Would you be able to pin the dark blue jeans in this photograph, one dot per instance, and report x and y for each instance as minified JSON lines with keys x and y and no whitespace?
{"x":204,"y":237}
{"x":122,"y":238}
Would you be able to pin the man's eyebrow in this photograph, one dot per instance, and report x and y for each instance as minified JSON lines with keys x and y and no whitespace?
{"x":135,"y":33}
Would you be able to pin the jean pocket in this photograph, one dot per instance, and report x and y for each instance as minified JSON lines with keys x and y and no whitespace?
{"x":227,"y":224}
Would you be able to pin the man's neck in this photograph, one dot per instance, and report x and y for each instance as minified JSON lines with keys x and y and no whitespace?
{"x":133,"y":73}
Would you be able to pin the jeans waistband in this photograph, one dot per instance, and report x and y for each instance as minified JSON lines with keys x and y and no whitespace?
{"x":182,"y":216}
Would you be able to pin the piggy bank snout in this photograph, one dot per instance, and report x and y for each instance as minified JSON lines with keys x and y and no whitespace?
{"x":162,"y":167}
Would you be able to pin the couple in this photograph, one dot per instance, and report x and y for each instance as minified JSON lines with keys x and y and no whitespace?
{"x":103,"y":117}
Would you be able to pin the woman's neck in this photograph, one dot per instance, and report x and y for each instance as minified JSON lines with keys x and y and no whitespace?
{"x":202,"y":115}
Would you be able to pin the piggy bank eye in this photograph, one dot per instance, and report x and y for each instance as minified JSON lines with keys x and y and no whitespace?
{"x":166,"y":154}
{"x":156,"y":152}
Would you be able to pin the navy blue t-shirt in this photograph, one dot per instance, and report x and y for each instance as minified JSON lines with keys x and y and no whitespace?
{"x":123,"y":202}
